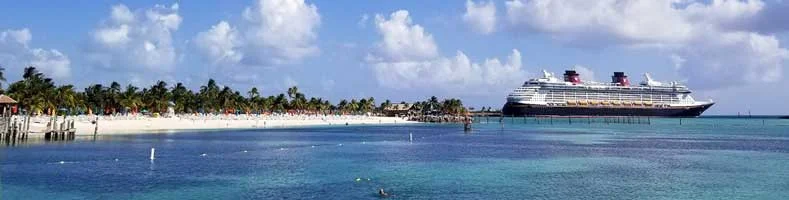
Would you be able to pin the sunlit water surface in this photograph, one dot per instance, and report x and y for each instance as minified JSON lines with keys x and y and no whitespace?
{"x":700,"y":159}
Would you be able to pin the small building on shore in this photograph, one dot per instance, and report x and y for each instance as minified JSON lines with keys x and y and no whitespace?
{"x":7,"y":105}
{"x":397,"y":109}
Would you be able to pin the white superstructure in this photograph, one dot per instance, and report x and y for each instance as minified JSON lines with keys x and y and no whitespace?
{"x":570,"y":91}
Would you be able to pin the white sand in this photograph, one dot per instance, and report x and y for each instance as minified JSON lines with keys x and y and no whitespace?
{"x":110,"y":125}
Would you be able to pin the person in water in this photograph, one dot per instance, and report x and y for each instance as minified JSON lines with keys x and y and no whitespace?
{"x":382,"y":193}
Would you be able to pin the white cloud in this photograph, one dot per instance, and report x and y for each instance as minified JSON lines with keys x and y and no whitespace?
{"x":220,"y":44}
{"x":407,"y":57}
{"x":272,"y":32}
{"x":728,"y":59}
{"x":16,"y":53}
{"x":403,"y":40}
{"x":481,"y":17}
{"x":586,"y":73}
{"x":138,"y":41}
{"x":363,"y":20}
{"x":287,"y":29}
{"x":705,"y":39}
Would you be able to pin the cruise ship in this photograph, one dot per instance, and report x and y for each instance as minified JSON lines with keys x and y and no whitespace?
{"x":571,"y":96}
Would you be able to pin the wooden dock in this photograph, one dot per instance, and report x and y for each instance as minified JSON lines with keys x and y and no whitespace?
{"x":60,"y":131}
{"x":16,"y":129}
{"x":550,"y":119}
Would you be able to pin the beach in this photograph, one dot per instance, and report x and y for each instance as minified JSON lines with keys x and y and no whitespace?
{"x":139,"y":124}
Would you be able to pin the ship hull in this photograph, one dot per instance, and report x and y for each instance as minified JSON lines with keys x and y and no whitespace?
{"x":516,"y":109}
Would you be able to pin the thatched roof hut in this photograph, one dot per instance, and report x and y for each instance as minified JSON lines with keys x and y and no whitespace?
{"x":6,"y":100}
{"x":397,"y":109}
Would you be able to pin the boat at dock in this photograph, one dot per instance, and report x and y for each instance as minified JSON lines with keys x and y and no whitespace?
{"x":571,"y":97}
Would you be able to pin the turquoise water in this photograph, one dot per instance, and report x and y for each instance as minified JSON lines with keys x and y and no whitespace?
{"x":705,"y":158}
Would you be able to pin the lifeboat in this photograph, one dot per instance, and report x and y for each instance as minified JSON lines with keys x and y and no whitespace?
{"x":606,"y":103}
{"x":593,"y":102}
{"x":583,"y":102}
{"x":638,"y":103}
{"x":648,"y":103}
{"x":571,"y":102}
{"x":616,"y":103}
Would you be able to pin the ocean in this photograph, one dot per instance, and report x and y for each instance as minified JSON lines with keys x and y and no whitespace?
{"x":702,"y":158}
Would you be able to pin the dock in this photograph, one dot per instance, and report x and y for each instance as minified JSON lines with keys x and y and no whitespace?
{"x":551,"y":119}
{"x":16,"y":129}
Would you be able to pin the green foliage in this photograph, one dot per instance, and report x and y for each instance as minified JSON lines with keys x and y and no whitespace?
{"x":37,"y":93}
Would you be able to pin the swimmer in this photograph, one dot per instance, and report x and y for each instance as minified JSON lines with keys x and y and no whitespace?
{"x":382,"y":193}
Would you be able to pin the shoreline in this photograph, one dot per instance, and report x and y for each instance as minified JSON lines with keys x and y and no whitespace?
{"x":134,"y":125}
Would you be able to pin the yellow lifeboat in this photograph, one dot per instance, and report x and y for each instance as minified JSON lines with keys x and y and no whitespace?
{"x":582,"y":102}
{"x":616,"y":103}
{"x":637,"y":103}
{"x":571,"y":102}
{"x":593,"y":102}
{"x":648,"y":103}
{"x":627,"y":103}
{"x":606,"y":103}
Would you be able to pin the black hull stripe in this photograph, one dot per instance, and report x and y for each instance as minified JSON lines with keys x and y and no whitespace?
{"x":511,"y":109}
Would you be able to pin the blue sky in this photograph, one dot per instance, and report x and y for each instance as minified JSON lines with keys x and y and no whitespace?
{"x":733,"y":52}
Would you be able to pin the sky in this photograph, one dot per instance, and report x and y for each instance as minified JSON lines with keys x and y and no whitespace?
{"x":733,"y":52}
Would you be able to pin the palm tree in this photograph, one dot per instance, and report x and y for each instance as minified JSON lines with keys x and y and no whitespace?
{"x":94,"y":97}
{"x":384,"y":105}
{"x":253,"y":93}
{"x":226,"y":99}
{"x":209,"y":95}
{"x":113,"y":97}
{"x":181,"y":97}
{"x":253,"y":99}
{"x":34,"y":92}
{"x":131,"y":99}
{"x":432,"y":104}
{"x":66,"y":97}
{"x":292,"y":91}
{"x":280,"y":103}
{"x":159,"y":97}
{"x":354,"y":106}
{"x":343,"y":105}
{"x":2,"y":79}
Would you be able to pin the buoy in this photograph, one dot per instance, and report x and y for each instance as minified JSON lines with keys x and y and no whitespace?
{"x":313,"y":146}
{"x":358,"y":179}
{"x":116,"y":160}
{"x":245,"y":151}
{"x":153,"y":152}
{"x":62,"y":162}
{"x":203,"y":155}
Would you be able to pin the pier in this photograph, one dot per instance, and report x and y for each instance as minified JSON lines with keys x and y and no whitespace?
{"x":14,"y":129}
{"x":588,"y":119}
{"x":60,"y":130}
{"x":551,"y":119}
